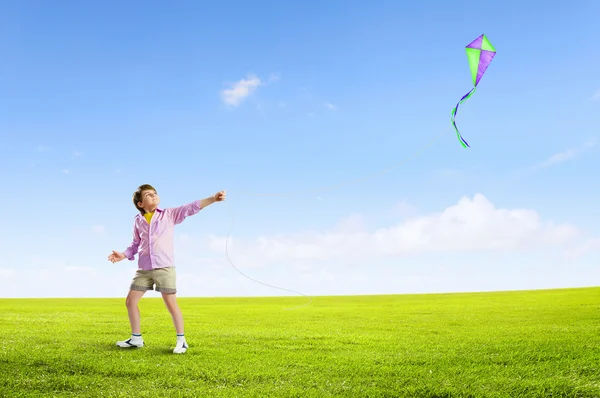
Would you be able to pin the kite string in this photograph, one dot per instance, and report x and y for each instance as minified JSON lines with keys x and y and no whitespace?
{"x":252,"y":279}
{"x":404,"y":161}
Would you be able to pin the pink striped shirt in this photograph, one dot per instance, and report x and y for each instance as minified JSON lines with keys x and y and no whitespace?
{"x":154,"y":241}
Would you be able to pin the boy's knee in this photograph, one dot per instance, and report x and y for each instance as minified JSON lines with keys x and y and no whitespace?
{"x":170,"y":302}
{"x":131,"y":302}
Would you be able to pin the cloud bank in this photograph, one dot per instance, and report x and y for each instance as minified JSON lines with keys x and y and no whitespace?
{"x":471,"y":245}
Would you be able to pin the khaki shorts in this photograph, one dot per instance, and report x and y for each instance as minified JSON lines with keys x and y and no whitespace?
{"x":164,"y":278}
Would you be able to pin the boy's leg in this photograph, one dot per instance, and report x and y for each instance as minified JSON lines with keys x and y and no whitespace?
{"x":131,"y":302}
{"x":166,"y":284}
{"x":140,"y":284}
{"x":170,"y":300}
{"x":133,"y":311}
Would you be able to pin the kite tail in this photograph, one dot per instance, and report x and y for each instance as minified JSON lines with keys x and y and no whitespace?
{"x":464,"y":98}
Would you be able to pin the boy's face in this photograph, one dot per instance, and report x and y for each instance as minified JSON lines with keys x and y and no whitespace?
{"x":150,"y":200}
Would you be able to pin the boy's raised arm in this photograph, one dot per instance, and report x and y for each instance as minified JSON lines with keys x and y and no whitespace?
{"x":180,"y":213}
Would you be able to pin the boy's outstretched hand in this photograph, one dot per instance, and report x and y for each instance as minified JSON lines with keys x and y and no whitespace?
{"x":220,"y":196}
{"x":116,"y":257}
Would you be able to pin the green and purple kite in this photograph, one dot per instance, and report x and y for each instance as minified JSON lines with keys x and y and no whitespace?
{"x":480,"y":53}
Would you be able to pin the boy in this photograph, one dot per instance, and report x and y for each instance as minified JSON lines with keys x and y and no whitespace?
{"x":153,"y":239}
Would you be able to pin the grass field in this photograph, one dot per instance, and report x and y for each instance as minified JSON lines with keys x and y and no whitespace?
{"x":504,"y":344}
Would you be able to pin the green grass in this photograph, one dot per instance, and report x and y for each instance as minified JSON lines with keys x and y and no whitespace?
{"x":504,"y":344}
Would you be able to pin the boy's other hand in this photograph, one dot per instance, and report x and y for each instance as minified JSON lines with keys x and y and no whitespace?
{"x":116,"y":257}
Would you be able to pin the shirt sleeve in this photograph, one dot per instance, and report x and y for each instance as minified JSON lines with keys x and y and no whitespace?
{"x":178,"y":214}
{"x":131,"y":251}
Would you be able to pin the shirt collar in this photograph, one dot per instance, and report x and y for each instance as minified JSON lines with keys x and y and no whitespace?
{"x":158,"y":210}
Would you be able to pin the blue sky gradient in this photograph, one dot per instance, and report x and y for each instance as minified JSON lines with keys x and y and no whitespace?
{"x":100,"y":97}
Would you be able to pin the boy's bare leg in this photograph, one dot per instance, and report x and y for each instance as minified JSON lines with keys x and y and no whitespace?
{"x":170,"y":300}
{"x":132,"y":300}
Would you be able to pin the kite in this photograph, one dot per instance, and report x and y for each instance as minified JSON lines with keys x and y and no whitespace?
{"x":480,"y":53}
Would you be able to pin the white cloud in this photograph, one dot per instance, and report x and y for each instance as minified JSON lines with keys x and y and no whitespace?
{"x":244,"y":88}
{"x":331,"y":106}
{"x":354,"y":223}
{"x":42,"y":148}
{"x":240,"y":90}
{"x":472,"y":225}
{"x":54,"y":280}
{"x":560,"y":157}
{"x":597,"y":95}
{"x":569,"y":154}
{"x":404,"y":209}
{"x":469,"y":246}
{"x":7,"y":272}
{"x":98,"y":229}
{"x":80,"y":270}
{"x":77,"y":153}
{"x":66,"y":171}
{"x":587,"y":246}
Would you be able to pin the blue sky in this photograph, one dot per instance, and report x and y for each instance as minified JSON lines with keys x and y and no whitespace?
{"x":100,"y":97}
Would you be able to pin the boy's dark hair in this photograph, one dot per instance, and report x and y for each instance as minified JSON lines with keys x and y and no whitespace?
{"x":137,"y":196}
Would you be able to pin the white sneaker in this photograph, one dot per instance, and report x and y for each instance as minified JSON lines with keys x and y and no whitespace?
{"x":131,"y":342}
{"x":180,"y":347}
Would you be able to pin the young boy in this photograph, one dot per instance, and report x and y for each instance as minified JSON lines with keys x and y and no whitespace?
{"x":153,"y":240}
